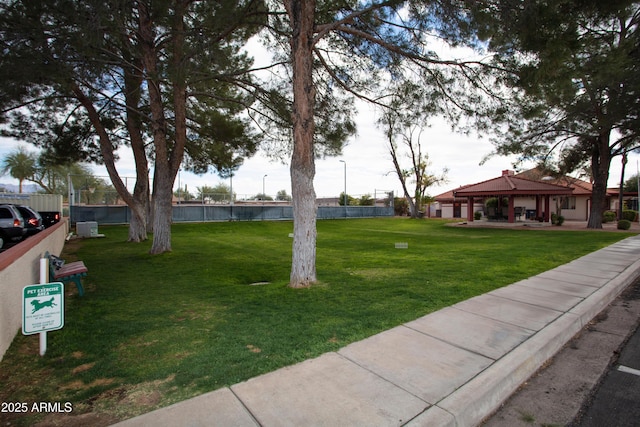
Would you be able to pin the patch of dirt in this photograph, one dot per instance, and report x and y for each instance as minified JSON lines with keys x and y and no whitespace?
{"x":72,"y":245}
{"x":143,"y":398}
{"x":80,"y":385}
{"x":632,"y":292}
{"x":73,"y":385}
{"x":137,"y":342}
{"x":30,"y":346}
{"x":82,"y":368}
{"x":254,"y":349}
{"x":102,"y":410}
{"x":182,"y":355}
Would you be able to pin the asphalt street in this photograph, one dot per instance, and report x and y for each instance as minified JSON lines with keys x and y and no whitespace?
{"x":583,"y":384}
{"x":616,"y":401}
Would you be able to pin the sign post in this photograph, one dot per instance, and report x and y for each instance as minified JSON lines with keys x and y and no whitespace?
{"x":42,"y":309}
{"x":44,"y":270}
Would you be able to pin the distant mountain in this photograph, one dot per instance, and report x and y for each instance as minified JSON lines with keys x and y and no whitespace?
{"x":26,"y":188}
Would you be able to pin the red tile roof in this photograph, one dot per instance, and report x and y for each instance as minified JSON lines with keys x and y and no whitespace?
{"x":445,"y":196}
{"x":449,"y":195}
{"x":507,"y":184}
{"x":511,"y":185}
{"x":529,"y":182}
{"x":580,"y":187}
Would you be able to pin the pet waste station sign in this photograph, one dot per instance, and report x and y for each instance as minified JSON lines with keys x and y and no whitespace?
{"x":42,"y":308}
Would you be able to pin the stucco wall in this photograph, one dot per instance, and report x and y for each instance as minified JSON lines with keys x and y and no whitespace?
{"x":447,"y":210}
{"x":20,"y":267}
{"x":581,"y":212}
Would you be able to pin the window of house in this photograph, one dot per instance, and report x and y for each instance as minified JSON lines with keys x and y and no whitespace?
{"x":569,"y":202}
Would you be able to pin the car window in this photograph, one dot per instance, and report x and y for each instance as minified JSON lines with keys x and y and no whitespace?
{"x":5,"y":213}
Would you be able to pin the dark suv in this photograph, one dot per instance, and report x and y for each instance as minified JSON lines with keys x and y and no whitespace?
{"x":33,"y":222}
{"x":11,"y":224}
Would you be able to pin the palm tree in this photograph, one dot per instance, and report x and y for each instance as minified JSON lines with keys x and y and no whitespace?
{"x":20,"y":164}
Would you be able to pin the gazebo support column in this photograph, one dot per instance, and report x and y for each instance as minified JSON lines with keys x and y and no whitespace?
{"x":470,"y":209}
{"x":546,"y":208}
{"x":511,"y":214}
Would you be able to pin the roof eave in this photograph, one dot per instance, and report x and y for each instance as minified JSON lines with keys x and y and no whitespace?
{"x":514,"y":193}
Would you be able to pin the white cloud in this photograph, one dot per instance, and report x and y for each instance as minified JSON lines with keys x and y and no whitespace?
{"x":368,"y":166}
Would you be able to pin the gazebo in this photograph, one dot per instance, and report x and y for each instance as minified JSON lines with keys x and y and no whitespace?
{"x":510,"y":186}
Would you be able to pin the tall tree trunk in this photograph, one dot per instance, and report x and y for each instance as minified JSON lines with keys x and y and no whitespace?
{"x":600,"y":163}
{"x":161,"y":204}
{"x":303,"y":267}
{"x":403,"y":180}
{"x":140,"y":208}
{"x":139,"y":224}
{"x":168,"y":157}
{"x":162,"y":210}
{"x":139,"y":201}
{"x":417,"y":171}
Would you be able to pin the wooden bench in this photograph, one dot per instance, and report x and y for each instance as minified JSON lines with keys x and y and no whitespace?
{"x":71,"y":272}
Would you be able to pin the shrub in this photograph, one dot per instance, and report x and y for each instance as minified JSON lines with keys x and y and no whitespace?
{"x":608,"y":216}
{"x":556,"y":219}
{"x":477,"y":215}
{"x":629,"y":215}
{"x":400,"y":206}
{"x":624,"y":224}
{"x":493,"y":202}
{"x":366,"y":200}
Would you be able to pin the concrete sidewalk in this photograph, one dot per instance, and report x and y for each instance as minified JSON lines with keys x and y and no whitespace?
{"x":450,"y":368}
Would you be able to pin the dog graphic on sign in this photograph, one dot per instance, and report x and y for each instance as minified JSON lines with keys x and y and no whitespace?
{"x":37,"y":305}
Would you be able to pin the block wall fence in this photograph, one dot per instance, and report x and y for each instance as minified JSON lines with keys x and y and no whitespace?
{"x":20,"y":267}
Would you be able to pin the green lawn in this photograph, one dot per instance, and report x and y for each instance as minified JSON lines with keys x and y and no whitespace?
{"x":153,"y":330}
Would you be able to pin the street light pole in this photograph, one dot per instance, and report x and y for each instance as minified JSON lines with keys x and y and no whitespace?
{"x":263,"y":192}
{"x":345,"y":186}
{"x":230,"y":194}
{"x":264,"y":196}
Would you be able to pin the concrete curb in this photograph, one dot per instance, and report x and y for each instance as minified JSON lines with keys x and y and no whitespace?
{"x":600,"y":299}
{"x":480,"y":397}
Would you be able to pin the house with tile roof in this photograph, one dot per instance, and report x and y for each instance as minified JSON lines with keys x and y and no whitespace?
{"x":528,"y":195}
